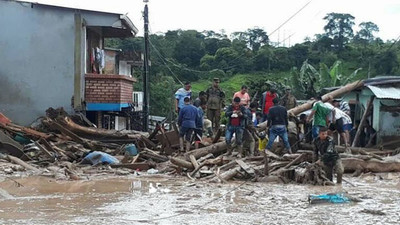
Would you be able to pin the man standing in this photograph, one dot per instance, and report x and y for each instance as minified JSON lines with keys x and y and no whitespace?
{"x":237,"y":117}
{"x":277,"y":123}
{"x":180,"y":95}
{"x":324,"y":150}
{"x":243,"y":95}
{"x":215,"y":101}
{"x":288,"y":100}
{"x":320,"y":114}
{"x":188,"y":115}
{"x":198,"y":133}
{"x":266,"y":102}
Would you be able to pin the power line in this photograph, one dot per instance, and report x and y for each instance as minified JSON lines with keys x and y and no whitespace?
{"x":290,"y":18}
{"x":162,"y":59}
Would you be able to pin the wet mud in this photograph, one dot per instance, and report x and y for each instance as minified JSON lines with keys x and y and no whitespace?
{"x":158,"y":199}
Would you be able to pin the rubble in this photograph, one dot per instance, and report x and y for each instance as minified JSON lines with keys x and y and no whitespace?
{"x":58,"y":144}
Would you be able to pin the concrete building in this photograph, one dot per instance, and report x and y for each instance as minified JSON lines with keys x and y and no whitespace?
{"x":52,"y":56}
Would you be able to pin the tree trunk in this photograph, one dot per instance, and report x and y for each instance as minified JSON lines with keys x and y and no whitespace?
{"x":213,"y":149}
{"x":373,"y":165}
{"x":182,"y":163}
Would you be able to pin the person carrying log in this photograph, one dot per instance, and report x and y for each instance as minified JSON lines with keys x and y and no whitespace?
{"x":320,"y":116}
{"x":237,"y":117}
{"x":188,"y":115}
{"x":278,"y":123}
{"x":326,"y":154}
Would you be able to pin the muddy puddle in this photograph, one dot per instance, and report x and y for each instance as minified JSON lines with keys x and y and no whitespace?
{"x":160,"y":199}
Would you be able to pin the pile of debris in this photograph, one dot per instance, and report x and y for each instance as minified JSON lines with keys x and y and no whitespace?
{"x":70,"y":147}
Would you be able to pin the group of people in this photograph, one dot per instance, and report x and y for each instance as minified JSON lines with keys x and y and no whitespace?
{"x":243,"y":115}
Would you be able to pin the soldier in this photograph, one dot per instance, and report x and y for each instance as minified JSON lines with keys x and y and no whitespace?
{"x":215,"y":101}
{"x":324,"y":150}
{"x":288,"y":100}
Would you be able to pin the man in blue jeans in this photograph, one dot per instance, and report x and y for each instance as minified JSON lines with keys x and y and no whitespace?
{"x":277,"y":123}
{"x":237,"y":117}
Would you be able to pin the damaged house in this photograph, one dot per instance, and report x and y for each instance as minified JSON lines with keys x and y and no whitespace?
{"x":52,"y":56}
{"x":383,"y":116}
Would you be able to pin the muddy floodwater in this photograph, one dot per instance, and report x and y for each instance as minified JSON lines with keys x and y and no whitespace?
{"x":157,"y":199}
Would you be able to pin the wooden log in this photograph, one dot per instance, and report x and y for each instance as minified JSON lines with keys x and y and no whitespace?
{"x":227,"y":175}
{"x":90,"y":132}
{"x":202,"y":159}
{"x":217,"y":148}
{"x":373,"y":165}
{"x":182,"y":163}
{"x":148,"y":142}
{"x":132,"y":166}
{"x":193,"y":161}
{"x":296,"y":161}
{"x":44,"y":150}
{"x":198,"y":168}
{"x":135,"y":158}
{"x":272,"y":155}
{"x":153,"y":155}
{"x":22,"y":163}
{"x":245,"y":167}
{"x":308,"y":105}
{"x":362,"y":122}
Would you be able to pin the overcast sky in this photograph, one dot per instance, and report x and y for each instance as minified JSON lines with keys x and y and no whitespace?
{"x":235,"y":15}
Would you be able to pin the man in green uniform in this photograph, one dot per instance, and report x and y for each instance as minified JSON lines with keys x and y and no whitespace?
{"x":288,"y":100}
{"x":325,"y":152}
{"x":215,"y":101}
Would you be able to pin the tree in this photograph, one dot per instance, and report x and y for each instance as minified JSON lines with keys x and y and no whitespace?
{"x":255,"y":38}
{"x":308,"y":81}
{"x":367,"y":30}
{"x":339,"y":28}
{"x":189,"y":48}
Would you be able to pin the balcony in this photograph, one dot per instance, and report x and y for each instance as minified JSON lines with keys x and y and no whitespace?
{"x":108,"y":92}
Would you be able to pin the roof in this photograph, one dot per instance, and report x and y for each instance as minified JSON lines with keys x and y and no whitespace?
{"x":382,"y":80}
{"x":123,"y":17}
{"x":386,"y":92}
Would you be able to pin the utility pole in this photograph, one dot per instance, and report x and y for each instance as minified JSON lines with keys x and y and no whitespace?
{"x":146,"y":91}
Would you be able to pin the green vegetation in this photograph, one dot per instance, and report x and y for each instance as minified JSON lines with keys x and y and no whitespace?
{"x":335,"y":57}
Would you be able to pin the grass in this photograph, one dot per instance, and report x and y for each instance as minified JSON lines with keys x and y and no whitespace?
{"x":230,"y":85}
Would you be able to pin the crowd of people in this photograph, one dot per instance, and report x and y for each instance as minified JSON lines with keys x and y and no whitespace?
{"x":243,"y":115}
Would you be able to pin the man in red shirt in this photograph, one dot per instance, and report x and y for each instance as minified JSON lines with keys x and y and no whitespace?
{"x":267,"y":102}
{"x":244,"y":96}
{"x":237,"y":117}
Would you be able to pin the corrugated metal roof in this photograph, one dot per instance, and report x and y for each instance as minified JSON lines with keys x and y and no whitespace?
{"x":386,"y":92}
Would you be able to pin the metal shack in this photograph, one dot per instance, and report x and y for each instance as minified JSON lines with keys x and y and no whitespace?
{"x":53,"y":56}
{"x":385,"y":114}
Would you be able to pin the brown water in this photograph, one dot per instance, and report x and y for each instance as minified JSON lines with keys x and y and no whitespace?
{"x":165,"y":200}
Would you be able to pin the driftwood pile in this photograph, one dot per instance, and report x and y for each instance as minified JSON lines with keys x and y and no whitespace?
{"x":61,"y":141}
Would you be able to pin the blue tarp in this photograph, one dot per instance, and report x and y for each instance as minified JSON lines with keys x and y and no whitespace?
{"x":328,"y":198}
{"x":96,"y":157}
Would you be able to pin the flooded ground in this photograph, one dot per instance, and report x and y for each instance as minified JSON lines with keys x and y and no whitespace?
{"x":161,"y":199}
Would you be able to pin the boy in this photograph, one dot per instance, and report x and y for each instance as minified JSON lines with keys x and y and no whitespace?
{"x":325,"y":152}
